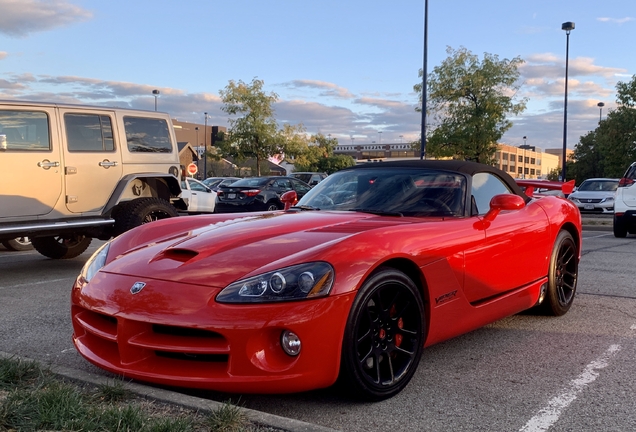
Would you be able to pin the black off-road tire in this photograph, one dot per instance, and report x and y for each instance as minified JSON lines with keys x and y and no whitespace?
{"x":18,"y":244}
{"x":61,"y":247}
{"x":384,"y":337}
{"x":141,"y":211}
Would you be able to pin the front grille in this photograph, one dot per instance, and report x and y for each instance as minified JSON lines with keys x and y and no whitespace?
{"x":156,"y":347}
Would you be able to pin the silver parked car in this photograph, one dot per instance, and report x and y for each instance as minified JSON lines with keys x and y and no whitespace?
{"x":595,"y":195}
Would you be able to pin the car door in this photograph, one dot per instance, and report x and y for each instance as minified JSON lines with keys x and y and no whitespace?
{"x":204,"y":197}
{"x":515,"y":249}
{"x":30,"y":162}
{"x":92,"y":153}
{"x":188,"y":197}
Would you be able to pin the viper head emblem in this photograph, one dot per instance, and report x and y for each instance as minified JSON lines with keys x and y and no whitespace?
{"x":137,"y":287}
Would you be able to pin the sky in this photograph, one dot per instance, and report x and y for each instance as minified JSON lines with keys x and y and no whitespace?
{"x":339,"y":67}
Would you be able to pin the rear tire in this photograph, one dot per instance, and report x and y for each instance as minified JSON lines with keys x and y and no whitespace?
{"x":18,"y":244}
{"x":141,"y":211}
{"x":61,"y":247}
{"x":620,"y":230}
{"x":273,"y":206}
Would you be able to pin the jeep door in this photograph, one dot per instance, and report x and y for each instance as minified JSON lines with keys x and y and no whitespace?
{"x":92,"y":156}
{"x":30,"y":161}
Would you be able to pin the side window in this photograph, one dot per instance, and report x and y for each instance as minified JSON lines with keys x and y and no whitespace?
{"x":300,"y":188}
{"x":197,"y":187}
{"x":147,"y":135}
{"x":486,"y":186}
{"x":89,"y":133}
{"x":283,"y":184}
{"x":24,"y":131}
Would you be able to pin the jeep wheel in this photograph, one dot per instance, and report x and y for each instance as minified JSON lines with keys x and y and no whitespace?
{"x":61,"y":247}
{"x":18,"y":244}
{"x":142,"y":210}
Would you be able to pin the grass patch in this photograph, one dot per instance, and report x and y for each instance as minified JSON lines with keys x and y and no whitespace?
{"x":34,"y":399}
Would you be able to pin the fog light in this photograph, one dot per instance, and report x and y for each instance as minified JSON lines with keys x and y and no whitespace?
{"x":290,"y":343}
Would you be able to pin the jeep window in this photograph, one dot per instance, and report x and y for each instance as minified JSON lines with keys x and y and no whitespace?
{"x":147,"y":135}
{"x":24,"y":131}
{"x":89,"y":133}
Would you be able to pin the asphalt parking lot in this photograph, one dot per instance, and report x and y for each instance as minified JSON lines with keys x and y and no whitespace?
{"x":525,"y":373}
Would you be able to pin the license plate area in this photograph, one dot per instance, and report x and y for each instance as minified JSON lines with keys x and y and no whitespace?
{"x":588,"y":206}
{"x":231,"y":196}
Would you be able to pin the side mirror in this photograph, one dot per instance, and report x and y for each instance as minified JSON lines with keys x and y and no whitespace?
{"x":503,"y":202}
{"x":289,"y":199}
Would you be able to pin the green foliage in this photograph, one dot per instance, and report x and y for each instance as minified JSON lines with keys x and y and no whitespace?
{"x":17,"y":372}
{"x":113,"y":392}
{"x":253,"y":131}
{"x":468,"y":104}
{"x":318,"y":156}
{"x":609,"y":149}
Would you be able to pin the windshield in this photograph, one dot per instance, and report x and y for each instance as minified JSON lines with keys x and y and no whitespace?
{"x":252,"y":181}
{"x":599,"y":186}
{"x":408,"y":192}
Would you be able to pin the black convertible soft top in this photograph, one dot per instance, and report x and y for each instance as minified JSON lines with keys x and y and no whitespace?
{"x":465,"y":167}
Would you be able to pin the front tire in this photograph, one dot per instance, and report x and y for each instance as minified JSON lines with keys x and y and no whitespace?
{"x":61,"y":247}
{"x":141,"y":211}
{"x":384,"y":336}
{"x":562,"y":276}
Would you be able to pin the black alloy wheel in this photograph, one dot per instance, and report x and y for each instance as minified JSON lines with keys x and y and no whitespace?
{"x":384,"y":336}
{"x":562,"y":276}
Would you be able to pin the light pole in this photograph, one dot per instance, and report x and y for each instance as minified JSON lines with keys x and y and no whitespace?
{"x":352,"y":138}
{"x":205,"y":147}
{"x":568,"y":27}
{"x":600,"y":106}
{"x":424,"y":74}
{"x":401,"y":136}
{"x":523,"y":174}
{"x":380,"y":137}
{"x":156,"y":92}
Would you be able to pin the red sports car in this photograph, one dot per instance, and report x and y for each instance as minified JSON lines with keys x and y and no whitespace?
{"x":373,"y":264}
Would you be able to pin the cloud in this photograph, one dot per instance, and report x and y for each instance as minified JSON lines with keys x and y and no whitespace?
{"x":19,"y":18}
{"x":3,"y":54}
{"x":618,"y":21}
{"x":548,"y":65}
{"x":326,"y":88}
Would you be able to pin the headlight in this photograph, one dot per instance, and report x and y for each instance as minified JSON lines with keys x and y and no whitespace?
{"x":608,"y":199}
{"x":95,"y":262}
{"x":310,"y":280}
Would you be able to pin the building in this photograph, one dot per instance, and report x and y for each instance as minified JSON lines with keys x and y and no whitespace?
{"x":528,"y":162}
{"x":520,"y":162}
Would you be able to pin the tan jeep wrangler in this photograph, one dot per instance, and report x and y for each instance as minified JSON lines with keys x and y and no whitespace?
{"x":70,"y":173}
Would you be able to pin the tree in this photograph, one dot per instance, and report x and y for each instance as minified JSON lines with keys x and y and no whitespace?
{"x":469,"y":101}
{"x":254,"y":131}
{"x":609,"y":149}
{"x":318,"y":156}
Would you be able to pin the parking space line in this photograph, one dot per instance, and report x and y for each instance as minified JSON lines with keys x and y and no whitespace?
{"x":551,"y":413}
{"x":36,"y":283}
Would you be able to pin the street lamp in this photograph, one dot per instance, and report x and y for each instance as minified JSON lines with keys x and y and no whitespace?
{"x":205,"y":147}
{"x":523,"y":174}
{"x":600,"y":106}
{"x":568,"y":27}
{"x":352,"y":138}
{"x":380,"y":137}
{"x":156,"y":92}
{"x":401,"y":136}
{"x":424,"y":79}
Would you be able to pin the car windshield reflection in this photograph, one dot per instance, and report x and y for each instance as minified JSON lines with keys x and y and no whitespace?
{"x":407,"y":192}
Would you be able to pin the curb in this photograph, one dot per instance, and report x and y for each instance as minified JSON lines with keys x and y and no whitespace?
{"x":192,"y":402}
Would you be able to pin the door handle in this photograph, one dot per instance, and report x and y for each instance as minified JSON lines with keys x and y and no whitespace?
{"x":107,"y":164}
{"x":47,"y":164}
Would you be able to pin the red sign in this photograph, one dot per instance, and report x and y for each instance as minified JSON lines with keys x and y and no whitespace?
{"x":192,"y":169}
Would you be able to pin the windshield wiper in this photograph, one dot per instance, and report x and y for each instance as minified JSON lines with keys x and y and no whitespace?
{"x":377,"y":212}
{"x":304,"y":207}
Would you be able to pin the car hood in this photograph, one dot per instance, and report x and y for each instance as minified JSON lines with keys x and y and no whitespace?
{"x":220,"y":253}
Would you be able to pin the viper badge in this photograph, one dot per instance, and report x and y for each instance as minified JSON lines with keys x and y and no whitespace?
{"x":137,"y":287}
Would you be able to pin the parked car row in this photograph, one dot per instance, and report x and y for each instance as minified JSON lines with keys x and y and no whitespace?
{"x":595,"y":195}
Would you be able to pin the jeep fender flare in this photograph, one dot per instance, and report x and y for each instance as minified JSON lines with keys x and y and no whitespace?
{"x":158,"y":185}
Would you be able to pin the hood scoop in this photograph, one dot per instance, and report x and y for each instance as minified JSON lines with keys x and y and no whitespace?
{"x":176,"y":254}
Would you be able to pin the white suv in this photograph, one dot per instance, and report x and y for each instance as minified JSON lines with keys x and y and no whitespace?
{"x":625,"y":204}
{"x":70,"y":173}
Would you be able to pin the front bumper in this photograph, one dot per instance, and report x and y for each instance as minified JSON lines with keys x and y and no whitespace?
{"x":176,"y":334}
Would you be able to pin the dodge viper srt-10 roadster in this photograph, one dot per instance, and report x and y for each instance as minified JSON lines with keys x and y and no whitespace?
{"x":347,"y":285}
